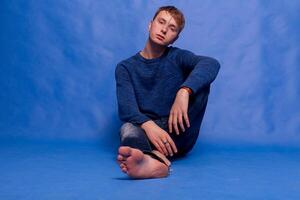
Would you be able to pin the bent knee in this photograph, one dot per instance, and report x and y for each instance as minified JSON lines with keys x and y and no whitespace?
{"x":128,"y":130}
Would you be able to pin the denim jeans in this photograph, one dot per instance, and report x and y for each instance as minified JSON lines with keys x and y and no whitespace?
{"x":135,"y":137}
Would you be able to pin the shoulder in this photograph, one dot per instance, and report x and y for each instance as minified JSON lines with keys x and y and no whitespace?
{"x":185,"y":57}
{"x":127,"y":61}
{"x":126,"y":64}
{"x":181,"y":56}
{"x":176,"y":53}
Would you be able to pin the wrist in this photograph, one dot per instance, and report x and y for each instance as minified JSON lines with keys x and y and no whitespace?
{"x":146,"y":125}
{"x":187,"y":89}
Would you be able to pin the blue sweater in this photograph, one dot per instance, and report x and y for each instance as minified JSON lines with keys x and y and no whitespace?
{"x":146,"y":88}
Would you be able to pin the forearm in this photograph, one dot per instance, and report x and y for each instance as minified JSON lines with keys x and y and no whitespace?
{"x":148,"y":125}
{"x":203,"y":74}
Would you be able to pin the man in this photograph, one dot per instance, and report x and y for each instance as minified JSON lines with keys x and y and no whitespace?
{"x":162,"y":94}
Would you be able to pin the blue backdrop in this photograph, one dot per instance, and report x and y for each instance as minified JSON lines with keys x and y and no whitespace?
{"x":58,"y":60}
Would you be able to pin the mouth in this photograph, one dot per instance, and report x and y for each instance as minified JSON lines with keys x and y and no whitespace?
{"x":160,"y":37}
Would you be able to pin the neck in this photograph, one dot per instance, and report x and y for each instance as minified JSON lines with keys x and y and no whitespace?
{"x":152,"y":50}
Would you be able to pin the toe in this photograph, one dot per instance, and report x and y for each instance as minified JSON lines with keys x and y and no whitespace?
{"x":124,"y":169}
{"x":125,"y":151}
{"x":120,"y":158}
{"x":122,"y":165}
{"x":119,"y":161}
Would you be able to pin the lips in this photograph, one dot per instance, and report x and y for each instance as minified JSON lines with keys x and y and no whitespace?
{"x":160,"y":37}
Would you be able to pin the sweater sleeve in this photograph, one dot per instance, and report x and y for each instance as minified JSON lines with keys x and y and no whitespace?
{"x":202,"y":70}
{"x":128,"y":108}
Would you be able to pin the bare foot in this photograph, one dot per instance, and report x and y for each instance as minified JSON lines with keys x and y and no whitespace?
{"x":136,"y":164}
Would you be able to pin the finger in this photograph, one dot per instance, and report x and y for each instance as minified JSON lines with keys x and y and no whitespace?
{"x":180,"y":121}
{"x":168,"y":147}
{"x":186,"y":118}
{"x":172,"y":144}
{"x":170,"y":123}
{"x":162,"y":146}
{"x":158,"y":147}
{"x":175,"y":125}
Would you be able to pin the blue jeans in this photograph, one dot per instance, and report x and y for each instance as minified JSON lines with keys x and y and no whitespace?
{"x":135,"y":137}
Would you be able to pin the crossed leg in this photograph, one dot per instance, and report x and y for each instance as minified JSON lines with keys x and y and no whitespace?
{"x":137,"y":164}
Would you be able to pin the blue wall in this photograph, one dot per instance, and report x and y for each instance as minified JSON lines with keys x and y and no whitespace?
{"x":58,"y":60}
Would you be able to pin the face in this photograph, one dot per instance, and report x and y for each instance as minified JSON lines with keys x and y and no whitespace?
{"x":163,"y":30}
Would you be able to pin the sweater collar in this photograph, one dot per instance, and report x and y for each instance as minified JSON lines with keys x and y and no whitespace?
{"x":152,"y":60}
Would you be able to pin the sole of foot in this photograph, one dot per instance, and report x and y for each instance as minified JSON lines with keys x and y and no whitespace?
{"x":138,"y":165}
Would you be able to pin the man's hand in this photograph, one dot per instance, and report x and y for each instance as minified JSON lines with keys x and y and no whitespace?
{"x":179,"y":112}
{"x":159,"y":138}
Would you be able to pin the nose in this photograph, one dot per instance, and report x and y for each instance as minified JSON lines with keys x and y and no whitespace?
{"x":164,"y":29}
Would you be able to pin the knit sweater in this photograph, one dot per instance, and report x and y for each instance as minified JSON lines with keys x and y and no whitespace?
{"x":146,"y":88}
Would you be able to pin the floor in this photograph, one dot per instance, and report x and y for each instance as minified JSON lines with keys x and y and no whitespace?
{"x":83,"y":170}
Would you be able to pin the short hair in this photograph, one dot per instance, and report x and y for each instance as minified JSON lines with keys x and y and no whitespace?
{"x":175,"y":13}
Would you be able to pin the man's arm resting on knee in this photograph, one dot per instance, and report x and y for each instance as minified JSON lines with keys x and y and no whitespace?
{"x":159,"y":138}
{"x":202,"y":70}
